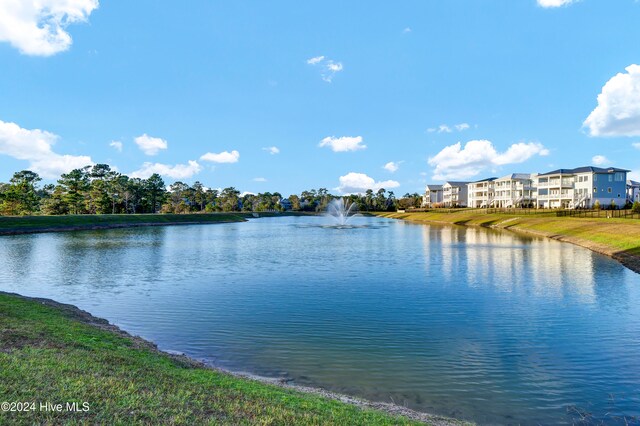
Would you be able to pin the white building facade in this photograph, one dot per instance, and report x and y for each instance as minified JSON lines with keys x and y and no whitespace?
{"x":433,"y":196}
{"x":514,"y":190}
{"x":481,"y":193}
{"x":454,"y":194}
{"x":582,"y":187}
{"x":633,"y":191}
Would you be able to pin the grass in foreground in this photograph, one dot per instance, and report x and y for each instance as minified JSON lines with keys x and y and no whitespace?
{"x":48,"y":355}
{"x":607,"y":235}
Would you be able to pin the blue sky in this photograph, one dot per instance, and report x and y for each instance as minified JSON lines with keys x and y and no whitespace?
{"x":205,"y":90}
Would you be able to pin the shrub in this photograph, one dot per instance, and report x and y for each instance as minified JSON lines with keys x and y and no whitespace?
{"x":636,"y":207}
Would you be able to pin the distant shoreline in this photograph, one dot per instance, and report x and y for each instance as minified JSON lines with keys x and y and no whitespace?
{"x":17,"y":225}
{"x":616,"y":238}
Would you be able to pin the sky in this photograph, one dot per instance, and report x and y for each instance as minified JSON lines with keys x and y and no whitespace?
{"x":288,"y":96}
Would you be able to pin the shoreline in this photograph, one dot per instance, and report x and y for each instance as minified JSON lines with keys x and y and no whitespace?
{"x":19,"y":225}
{"x":84,"y":317}
{"x":629,"y":259}
{"x":23,"y":231}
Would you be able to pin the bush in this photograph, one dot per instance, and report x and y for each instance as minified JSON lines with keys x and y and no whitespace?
{"x":636,"y":207}
{"x":597,"y":205}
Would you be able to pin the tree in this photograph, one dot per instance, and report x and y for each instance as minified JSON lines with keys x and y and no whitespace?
{"x":229,"y":198}
{"x":391,"y":203}
{"x":154,"y":189}
{"x":21,"y":197}
{"x":295,"y":202}
{"x":178,"y":199}
{"x":55,"y":203}
{"x":211,"y":200}
{"x":381,"y":200}
{"x":199,"y":196}
{"x":636,"y":207}
{"x":75,"y":185}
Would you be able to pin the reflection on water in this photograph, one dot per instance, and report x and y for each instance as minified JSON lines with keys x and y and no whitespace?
{"x":504,"y":260}
{"x":479,"y":324}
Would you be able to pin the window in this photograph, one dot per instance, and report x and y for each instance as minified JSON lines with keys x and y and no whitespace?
{"x":595,"y":178}
{"x":595,"y":189}
{"x":610,"y":178}
{"x":609,"y":190}
{"x":619,"y":177}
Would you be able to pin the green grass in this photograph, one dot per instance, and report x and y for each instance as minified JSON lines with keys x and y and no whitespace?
{"x":606,"y":235}
{"x":48,"y":354}
{"x":32,"y":223}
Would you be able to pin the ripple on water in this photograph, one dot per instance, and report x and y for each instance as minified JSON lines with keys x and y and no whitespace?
{"x":482,"y":325}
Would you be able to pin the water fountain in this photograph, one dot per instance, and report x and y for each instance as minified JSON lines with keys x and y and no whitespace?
{"x":340,"y":213}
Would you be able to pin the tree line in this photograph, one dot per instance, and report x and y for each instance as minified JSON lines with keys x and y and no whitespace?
{"x":99,"y":189}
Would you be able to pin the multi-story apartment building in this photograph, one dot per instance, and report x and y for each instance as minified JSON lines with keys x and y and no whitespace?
{"x":514,"y":190}
{"x":454,"y":194}
{"x":480,"y":193}
{"x":633,"y":191}
{"x":433,"y":196}
{"x":581,"y":187}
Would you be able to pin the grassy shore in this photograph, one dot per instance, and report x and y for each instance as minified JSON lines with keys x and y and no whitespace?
{"x":618,"y":238}
{"x":56,"y":353}
{"x":28,"y":224}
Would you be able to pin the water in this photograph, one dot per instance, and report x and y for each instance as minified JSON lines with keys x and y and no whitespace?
{"x":480,"y":325}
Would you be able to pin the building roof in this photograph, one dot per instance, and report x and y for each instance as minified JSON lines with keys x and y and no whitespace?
{"x":584,"y":169}
{"x":514,"y":176}
{"x":434,"y":188}
{"x":455,"y":183}
{"x":491,"y":179}
{"x":633,"y":183}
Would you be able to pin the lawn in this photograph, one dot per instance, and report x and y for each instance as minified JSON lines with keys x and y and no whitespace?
{"x":54,"y":354}
{"x":609,"y":236}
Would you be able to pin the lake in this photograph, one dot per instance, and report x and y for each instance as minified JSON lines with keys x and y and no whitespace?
{"x":472,"y":323}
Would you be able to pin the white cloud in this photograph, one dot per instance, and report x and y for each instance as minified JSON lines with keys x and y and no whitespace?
{"x":315,"y":60}
{"x":600,"y":160}
{"x":636,"y":145}
{"x":391,"y":166}
{"x":35,"y":146}
{"x":150,"y":145}
{"x":259,"y":179}
{"x":272,"y":150}
{"x":343,"y":144}
{"x":618,"y":110}
{"x":634,"y":175}
{"x":406,"y":30}
{"x":117,"y":145}
{"x":359,"y":182}
{"x":178,"y":171}
{"x":223,"y":157}
{"x":455,"y":162}
{"x":445,"y":128}
{"x":555,"y":3}
{"x":328,"y":67}
{"x":38,"y":27}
